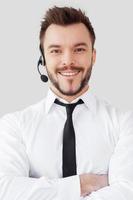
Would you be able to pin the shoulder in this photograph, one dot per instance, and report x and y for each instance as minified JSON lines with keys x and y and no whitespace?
{"x":120,"y":118}
{"x":26,"y":115}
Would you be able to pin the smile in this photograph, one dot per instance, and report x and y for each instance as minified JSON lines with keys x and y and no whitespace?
{"x":71,"y":73}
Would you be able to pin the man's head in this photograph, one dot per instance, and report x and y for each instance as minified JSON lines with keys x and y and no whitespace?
{"x":67,"y":44}
{"x":64,"y":16}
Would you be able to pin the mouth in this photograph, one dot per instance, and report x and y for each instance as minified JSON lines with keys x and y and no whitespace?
{"x":69,"y":73}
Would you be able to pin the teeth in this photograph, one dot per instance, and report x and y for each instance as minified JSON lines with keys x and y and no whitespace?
{"x":69,"y":73}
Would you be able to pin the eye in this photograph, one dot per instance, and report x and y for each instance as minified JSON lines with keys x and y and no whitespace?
{"x":55,"y":51}
{"x":80,"y":49}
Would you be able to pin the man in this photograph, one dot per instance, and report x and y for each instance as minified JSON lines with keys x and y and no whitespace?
{"x":59,"y":149}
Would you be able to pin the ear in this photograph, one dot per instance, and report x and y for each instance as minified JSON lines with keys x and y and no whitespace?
{"x":93,"y":56}
{"x":42,"y":53}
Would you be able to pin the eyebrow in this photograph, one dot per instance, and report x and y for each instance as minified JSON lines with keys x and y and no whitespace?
{"x":76,"y":45}
{"x":81,"y":44}
{"x":53,"y":46}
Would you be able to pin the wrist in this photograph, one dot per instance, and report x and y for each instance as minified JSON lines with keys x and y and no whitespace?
{"x":85,"y":186}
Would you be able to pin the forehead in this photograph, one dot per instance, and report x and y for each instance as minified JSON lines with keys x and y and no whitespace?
{"x":66,"y":35}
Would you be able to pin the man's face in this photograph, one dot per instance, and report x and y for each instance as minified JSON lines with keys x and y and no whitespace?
{"x":69,"y":57}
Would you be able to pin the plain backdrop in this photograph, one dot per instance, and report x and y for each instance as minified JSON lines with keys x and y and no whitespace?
{"x":20,"y":84}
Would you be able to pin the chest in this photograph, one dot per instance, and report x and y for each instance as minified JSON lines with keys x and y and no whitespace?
{"x":95,"y":144}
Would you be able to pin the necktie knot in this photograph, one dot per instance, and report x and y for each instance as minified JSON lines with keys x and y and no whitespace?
{"x":69,"y":107}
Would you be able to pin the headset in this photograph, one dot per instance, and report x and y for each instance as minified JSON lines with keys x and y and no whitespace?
{"x":41,"y":61}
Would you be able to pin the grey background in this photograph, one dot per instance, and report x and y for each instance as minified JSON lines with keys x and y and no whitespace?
{"x":20,"y":84}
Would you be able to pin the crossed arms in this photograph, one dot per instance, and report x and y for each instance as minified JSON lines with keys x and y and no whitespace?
{"x":15,"y":182}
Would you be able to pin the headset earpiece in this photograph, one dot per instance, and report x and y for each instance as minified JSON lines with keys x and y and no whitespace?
{"x":43,"y":77}
{"x":42,"y":53}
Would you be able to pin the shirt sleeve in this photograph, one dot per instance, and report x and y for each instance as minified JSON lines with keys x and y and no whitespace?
{"x":15,"y":182}
{"x":120,"y":166}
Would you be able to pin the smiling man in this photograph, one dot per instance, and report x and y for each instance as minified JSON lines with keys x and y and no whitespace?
{"x":71,"y":145}
{"x":69,"y":60}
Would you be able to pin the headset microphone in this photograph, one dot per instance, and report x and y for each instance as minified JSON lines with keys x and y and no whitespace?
{"x":43,"y":77}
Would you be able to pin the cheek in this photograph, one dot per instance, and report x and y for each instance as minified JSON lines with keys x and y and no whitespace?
{"x":52,"y":69}
{"x":84,"y":60}
{"x":52,"y":63}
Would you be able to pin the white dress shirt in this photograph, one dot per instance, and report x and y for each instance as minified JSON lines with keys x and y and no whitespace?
{"x":31,"y":151}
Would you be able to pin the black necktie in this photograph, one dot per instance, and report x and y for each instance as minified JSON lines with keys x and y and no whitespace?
{"x":69,"y":149}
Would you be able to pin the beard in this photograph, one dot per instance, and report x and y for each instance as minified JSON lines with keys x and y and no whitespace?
{"x":82,"y":84}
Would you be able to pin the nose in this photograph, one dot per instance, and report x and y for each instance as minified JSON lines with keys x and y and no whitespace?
{"x":68,"y":59}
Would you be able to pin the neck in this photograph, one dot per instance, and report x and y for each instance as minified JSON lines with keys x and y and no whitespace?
{"x":69,"y":98}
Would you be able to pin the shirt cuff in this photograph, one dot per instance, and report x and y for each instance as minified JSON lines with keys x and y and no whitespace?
{"x":69,"y":188}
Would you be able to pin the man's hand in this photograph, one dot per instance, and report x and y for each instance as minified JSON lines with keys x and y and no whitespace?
{"x":92,"y":182}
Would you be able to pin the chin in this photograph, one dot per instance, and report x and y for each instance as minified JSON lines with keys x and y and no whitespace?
{"x":70,"y":92}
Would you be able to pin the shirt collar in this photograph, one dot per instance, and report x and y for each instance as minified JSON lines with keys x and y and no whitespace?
{"x":50,"y":98}
{"x":88,"y":98}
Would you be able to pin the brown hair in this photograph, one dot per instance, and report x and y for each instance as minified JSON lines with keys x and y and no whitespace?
{"x":64,"y":16}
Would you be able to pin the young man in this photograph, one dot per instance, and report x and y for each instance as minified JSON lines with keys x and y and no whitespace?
{"x":59,"y":149}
